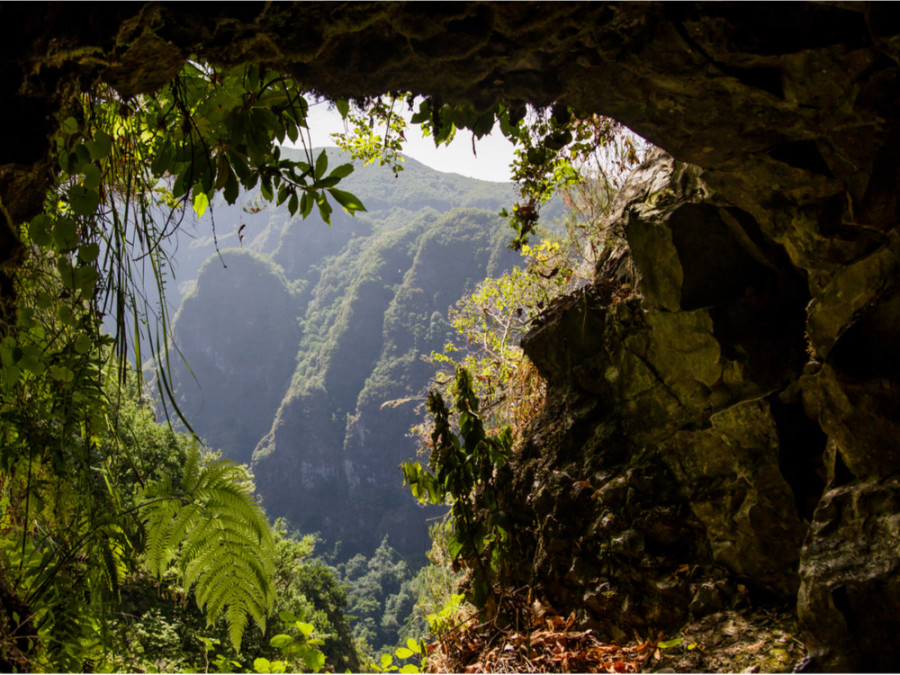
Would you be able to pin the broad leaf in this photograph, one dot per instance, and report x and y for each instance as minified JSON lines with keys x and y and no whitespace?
{"x":350,"y":202}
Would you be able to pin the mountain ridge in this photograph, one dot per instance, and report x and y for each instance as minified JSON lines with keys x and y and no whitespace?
{"x":326,"y":325}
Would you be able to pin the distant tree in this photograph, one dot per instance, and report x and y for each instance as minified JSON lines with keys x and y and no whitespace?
{"x":380,"y":597}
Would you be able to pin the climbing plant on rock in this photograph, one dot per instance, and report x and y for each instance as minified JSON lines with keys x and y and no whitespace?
{"x":461,"y":471}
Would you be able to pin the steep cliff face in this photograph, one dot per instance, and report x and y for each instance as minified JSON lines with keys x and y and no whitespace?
{"x":330,"y":461}
{"x":750,"y":372}
{"x":302,"y":353}
{"x":237,"y":337}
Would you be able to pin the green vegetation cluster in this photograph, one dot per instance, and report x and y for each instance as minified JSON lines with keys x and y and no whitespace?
{"x":103,"y":569}
{"x":380,"y":598}
{"x":85,"y":503}
{"x":159,"y":630}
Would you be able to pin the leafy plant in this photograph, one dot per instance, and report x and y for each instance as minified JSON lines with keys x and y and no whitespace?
{"x":461,"y":471}
{"x":413,"y":648}
{"x":129,"y":171}
{"x":368,"y":117}
{"x":216,"y":536}
{"x":448,"y":616}
{"x":302,"y":650}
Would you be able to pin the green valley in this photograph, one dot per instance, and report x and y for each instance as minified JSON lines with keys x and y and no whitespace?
{"x":301,"y":345}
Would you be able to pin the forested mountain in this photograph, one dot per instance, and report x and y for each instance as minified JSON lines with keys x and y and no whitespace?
{"x":302,"y":350}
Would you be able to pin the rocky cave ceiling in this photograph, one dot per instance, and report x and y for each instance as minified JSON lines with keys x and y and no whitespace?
{"x":791,"y":89}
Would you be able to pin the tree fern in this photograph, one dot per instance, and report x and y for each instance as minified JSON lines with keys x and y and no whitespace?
{"x":212,"y":532}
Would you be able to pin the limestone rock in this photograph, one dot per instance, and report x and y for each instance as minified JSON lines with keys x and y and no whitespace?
{"x":850,"y":578}
{"x":730,"y":474}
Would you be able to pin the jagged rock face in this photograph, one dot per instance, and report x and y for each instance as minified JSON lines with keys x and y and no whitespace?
{"x":679,"y":377}
{"x":851,"y":575}
{"x":682,"y":384}
{"x":659,"y":377}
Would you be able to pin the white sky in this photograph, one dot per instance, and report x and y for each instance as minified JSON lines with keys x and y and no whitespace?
{"x":494,"y":152}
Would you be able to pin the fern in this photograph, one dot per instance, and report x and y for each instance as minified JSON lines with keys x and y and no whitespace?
{"x":212,"y":532}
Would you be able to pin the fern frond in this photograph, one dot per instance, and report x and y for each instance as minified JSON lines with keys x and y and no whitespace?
{"x":110,"y":568}
{"x":231,"y":588}
{"x":236,"y":618}
{"x":218,"y":539}
{"x":191,"y":470}
{"x":160,"y":516}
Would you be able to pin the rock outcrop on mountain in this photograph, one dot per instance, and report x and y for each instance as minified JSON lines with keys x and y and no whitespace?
{"x":745,"y":413}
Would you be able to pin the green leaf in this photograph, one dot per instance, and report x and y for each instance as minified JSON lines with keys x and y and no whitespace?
{"x":414,"y":645}
{"x":305,"y":628}
{"x":201,"y":202}
{"x":39,"y":231}
{"x":65,"y":234}
{"x":25,"y":318}
{"x":350,"y":202}
{"x":342,"y":171}
{"x":88,"y":253}
{"x":321,"y":165}
{"x":83,"y":344}
{"x":85,"y":278}
{"x":238,"y":162}
{"x":328,"y":182}
{"x":32,"y":359}
{"x":281,"y":641}
{"x":324,"y":210}
{"x":83,"y":200}
{"x":386,"y":660}
{"x":343,"y":107}
{"x":92,"y":177}
{"x":410,"y":668}
{"x":266,"y":190}
{"x":66,"y":272}
{"x":101,"y":145}
{"x":82,"y":157}
{"x":403,"y":652}
{"x":69,"y":125}
{"x":10,"y":375}
{"x":232,"y":189}
{"x":306,"y":204}
{"x":674,"y":642}
{"x":287,"y":616}
{"x":292,"y":132}
{"x":61,"y":374}
{"x":262,"y":665}
{"x":162,"y":163}
{"x":484,"y":124}
{"x":314,"y":660}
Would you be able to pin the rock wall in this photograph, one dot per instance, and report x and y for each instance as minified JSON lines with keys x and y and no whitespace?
{"x":727,"y":393}
{"x":691,"y":446}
